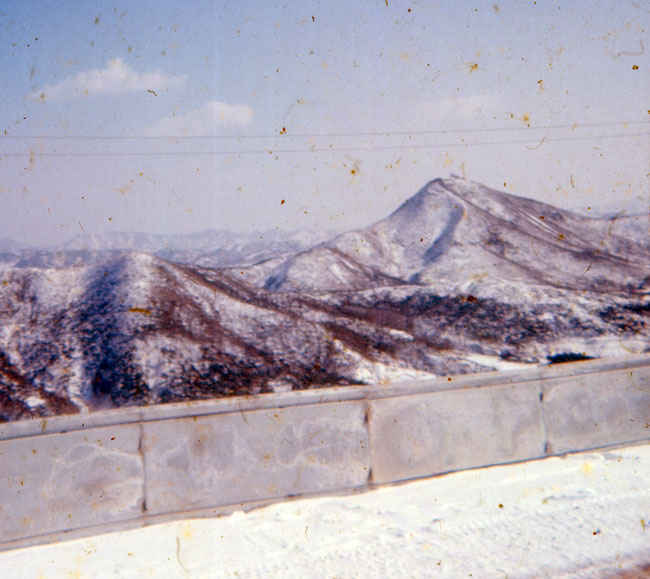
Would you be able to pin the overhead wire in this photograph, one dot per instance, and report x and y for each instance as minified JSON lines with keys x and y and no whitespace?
{"x":285,"y":134}
{"x":315,"y":149}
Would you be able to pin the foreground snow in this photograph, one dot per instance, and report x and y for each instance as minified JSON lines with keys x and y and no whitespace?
{"x":585,"y":515}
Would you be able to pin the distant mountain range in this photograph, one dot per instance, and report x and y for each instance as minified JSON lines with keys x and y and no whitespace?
{"x":211,"y":248}
{"x":460,"y":278}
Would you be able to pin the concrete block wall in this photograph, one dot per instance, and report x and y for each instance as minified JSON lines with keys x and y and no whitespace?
{"x":197,"y":462}
{"x":78,"y":475}
{"x":424,"y":434}
{"x":597,"y":409}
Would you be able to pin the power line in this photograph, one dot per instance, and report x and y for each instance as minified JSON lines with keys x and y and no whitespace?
{"x":331,"y":149}
{"x":289,"y":135}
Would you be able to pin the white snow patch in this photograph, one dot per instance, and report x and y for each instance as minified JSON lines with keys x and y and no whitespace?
{"x":77,"y":384}
{"x":280,"y":385}
{"x":156,"y":364}
{"x":374,"y":372}
{"x":140,"y":277}
{"x":34,"y":400}
{"x":496,"y":362}
{"x":602,"y":347}
{"x":400,"y":334}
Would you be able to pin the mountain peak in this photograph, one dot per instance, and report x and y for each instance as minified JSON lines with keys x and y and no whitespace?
{"x":453,"y":230}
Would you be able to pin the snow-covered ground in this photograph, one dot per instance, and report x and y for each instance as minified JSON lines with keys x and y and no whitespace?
{"x":585,"y":515}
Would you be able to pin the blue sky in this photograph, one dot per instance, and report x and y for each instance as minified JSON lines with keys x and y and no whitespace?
{"x":340,"y":109}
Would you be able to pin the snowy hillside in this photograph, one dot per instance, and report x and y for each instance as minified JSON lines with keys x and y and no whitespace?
{"x":460,"y":278}
{"x":455,"y":234}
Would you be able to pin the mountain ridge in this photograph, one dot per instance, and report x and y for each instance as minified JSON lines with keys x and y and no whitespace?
{"x":459,"y":278}
{"x":454,"y":224}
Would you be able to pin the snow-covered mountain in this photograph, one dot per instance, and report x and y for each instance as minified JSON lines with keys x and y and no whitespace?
{"x":460,"y":278}
{"x":456,"y":235}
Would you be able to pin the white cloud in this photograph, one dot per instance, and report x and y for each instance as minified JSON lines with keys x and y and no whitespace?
{"x":205,"y":120}
{"x":461,"y":108}
{"x":117,"y":78}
